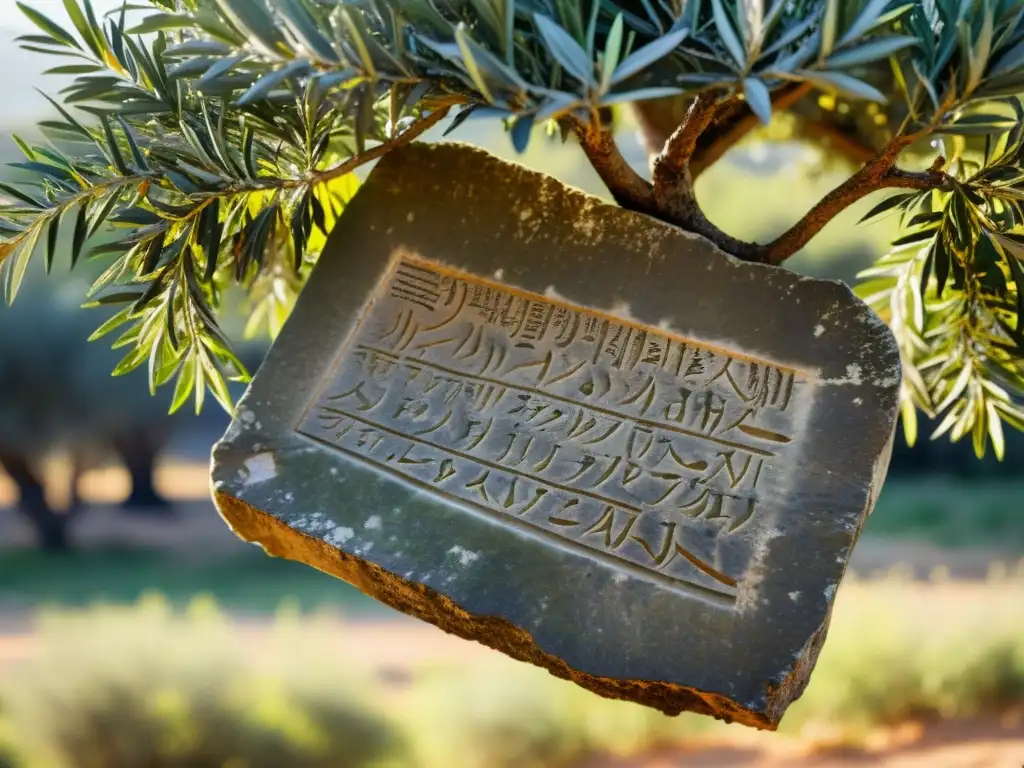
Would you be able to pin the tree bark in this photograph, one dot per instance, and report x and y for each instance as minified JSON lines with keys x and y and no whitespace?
{"x":880,"y":173}
{"x":139,"y":451}
{"x":51,"y":527}
{"x":659,"y":119}
{"x":704,"y":128}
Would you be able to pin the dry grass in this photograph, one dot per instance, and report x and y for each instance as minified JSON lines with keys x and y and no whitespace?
{"x":124,"y":688}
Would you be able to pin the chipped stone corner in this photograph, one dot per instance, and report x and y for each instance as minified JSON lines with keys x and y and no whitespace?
{"x":427,"y":604}
{"x":794,"y":683}
{"x":260,"y":468}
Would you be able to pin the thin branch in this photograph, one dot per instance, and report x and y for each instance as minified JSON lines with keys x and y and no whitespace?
{"x":59,"y":208}
{"x":674,"y":159}
{"x":635,"y":193}
{"x":878,"y":174}
{"x":407,"y":136}
{"x":687,"y":214}
{"x":628,"y":188}
{"x":735,"y":124}
{"x":673,"y":182}
{"x":897,"y":178}
{"x":733,"y":121}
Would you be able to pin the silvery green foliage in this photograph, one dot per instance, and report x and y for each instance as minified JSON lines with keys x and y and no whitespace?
{"x":217,"y":138}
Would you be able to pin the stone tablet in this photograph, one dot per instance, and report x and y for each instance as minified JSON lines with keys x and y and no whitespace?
{"x":570,"y":432}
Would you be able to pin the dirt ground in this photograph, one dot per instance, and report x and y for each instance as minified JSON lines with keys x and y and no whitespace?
{"x":396,"y":647}
{"x":969,"y":744}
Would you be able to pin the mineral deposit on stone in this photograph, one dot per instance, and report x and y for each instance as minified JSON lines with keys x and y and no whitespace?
{"x":570,"y":432}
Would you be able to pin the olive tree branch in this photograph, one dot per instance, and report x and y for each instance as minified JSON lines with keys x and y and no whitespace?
{"x":414,"y":131}
{"x":61,"y":207}
{"x":313,"y":178}
{"x":628,"y":188}
{"x":632,"y":191}
{"x":671,"y":198}
{"x":733,"y":121}
{"x":732,"y":127}
{"x":674,"y":159}
{"x":879,"y":173}
{"x":673,"y":181}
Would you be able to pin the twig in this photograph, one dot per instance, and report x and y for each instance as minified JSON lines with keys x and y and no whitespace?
{"x":733,"y":121}
{"x":628,"y":188}
{"x":674,"y":159}
{"x":689,"y":216}
{"x":897,"y":178}
{"x":880,"y":173}
{"x":731,"y":128}
{"x":673,"y":182}
{"x":415,"y":130}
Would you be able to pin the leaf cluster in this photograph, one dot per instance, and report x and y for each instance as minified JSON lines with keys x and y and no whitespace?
{"x":188,"y":192}
{"x":211,"y":143}
{"x":952,"y":289}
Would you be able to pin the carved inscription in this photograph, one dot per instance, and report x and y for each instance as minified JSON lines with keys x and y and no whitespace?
{"x":636,"y":445}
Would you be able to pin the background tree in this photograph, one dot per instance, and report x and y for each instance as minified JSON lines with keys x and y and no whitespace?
{"x":56,"y":394}
{"x":222,"y":135}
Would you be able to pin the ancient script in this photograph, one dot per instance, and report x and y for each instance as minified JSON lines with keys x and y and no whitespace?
{"x":637,"y":446}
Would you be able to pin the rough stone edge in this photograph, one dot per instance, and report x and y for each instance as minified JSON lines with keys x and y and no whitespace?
{"x":794,"y":684}
{"x":426,"y":604}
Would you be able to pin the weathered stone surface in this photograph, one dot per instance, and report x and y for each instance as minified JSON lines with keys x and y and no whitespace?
{"x":570,"y":432}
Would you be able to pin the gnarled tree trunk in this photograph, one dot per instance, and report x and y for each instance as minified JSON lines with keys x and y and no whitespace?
{"x":139,"y":451}
{"x":51,"y":526}
{"x":852,"y":136}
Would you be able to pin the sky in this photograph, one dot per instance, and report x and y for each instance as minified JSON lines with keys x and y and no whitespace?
{"x":12,"y":18}
{"x":21,"y":72}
